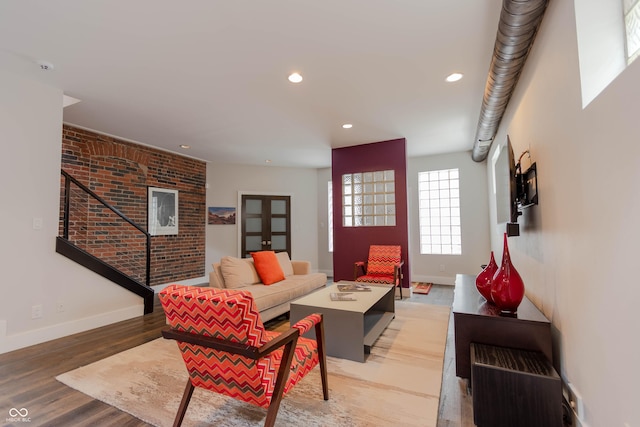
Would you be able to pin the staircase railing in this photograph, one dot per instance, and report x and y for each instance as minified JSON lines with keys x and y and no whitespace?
{"x":107,"y":238}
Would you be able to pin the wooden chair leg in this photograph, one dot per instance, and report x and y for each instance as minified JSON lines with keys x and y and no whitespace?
{"x":186,"y":397}
{"x":281,"y":381}
{"x":322,"y":356}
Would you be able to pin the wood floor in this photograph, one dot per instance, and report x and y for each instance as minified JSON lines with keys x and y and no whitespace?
{"x":27,"y":376}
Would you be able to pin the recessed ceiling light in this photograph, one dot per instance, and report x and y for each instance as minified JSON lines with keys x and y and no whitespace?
{"x":185,"y":146}
{"x":454,"y":77}
{"x":347,"y":125}
{"x":295,"y":78}
{"x":267,"y":161}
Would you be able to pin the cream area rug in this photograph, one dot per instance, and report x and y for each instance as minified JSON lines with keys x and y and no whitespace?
{"x":399,"y":384}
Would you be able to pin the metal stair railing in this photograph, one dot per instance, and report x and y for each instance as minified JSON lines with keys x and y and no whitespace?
{"x":99,"y":236}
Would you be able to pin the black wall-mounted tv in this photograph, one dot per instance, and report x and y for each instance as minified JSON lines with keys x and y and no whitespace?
{"x":515,"y":189}
{"x":506,"y":189}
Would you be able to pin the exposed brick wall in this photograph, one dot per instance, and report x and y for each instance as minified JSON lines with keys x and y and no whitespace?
{"x":120,"y":172}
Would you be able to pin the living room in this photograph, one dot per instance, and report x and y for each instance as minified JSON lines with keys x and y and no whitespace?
{"x":572,"y":252}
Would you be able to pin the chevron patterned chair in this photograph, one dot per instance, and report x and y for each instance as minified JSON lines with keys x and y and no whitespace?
{"x":227,"y":350}
{"x":384,"y":265}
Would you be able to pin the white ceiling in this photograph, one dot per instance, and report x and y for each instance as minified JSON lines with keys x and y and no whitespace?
{"x":213,"y":73}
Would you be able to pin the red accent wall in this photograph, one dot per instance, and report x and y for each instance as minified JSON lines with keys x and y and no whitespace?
{"x":351,"y":244}
{"x":120,"y":172}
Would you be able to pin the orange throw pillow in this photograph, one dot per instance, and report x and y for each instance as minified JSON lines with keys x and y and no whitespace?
{"x":268,"y":267}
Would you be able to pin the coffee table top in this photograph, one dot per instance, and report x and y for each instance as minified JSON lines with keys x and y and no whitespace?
{"x":364,"y":300}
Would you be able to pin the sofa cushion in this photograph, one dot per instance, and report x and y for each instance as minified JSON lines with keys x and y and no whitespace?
{"x":267,"y":266}
{"x":286,"y":290}
{"x":238,"y":272}
{"x":285,"y":263}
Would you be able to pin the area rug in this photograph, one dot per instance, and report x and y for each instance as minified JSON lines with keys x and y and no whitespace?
{"x":421,"y":287}
{"x":399,"y":384}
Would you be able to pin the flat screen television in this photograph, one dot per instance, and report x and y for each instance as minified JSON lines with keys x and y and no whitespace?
{"x":506,"y":188}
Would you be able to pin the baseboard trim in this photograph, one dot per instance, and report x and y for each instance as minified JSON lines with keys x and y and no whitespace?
{"x":38,"y":336}
{"x":439,"y":280}
{"x":188,"y":282}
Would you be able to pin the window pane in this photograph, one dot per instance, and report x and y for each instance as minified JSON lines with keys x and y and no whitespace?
{"x":279,"y":225}
{"x":278,"y":207}
{"x":371,"y":194}
{"x":253,"y":206}
{"x":439,"y":214}
{"x":632,"y":24}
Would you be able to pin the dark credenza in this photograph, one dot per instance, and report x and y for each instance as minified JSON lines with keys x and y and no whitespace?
{"x":476,"y":321}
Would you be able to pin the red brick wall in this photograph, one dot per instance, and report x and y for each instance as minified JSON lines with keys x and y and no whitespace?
{"x":120,"y":172}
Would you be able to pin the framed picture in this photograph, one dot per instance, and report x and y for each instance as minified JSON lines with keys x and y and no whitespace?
{"x":221,"y":215}
{"x":162,"y":211}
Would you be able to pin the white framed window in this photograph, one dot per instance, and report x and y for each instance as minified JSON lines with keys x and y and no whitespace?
{"x":631,"y":10}
{"x":439,"y":215}
{"x":330,"y":217}
{"x":369,"y":199}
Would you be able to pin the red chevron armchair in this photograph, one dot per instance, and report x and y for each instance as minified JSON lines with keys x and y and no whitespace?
{"x":227,"y":350}
{"x":384,"y":265}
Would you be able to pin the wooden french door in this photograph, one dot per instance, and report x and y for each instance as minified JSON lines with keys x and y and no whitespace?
{"x":266,"y":224}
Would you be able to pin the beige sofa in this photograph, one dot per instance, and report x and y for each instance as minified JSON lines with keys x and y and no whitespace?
{"x":272,"y":300}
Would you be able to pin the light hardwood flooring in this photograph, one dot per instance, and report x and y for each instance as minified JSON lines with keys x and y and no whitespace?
{"x":27,"y":376}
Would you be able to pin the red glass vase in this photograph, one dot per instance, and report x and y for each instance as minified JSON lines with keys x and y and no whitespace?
{"x":507,"y":289}
{"x":484,"y":279}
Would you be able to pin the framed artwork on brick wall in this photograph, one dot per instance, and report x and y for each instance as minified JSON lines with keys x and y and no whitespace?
{"x":162,"y":211}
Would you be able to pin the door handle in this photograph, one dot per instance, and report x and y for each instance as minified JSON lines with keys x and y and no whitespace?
{"x":266,"y":242}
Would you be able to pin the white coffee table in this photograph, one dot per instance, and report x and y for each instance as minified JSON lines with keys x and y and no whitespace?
{"x":351,"y":327}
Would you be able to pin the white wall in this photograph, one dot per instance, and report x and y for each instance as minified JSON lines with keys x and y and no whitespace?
{"x":225,"y":181}
{"x":474,"y":221}
{"x":325,"y":258}
{"x":578,"y":248}
{"x":32,"y":272}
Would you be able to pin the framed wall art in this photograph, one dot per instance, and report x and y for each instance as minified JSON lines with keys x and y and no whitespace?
{"x":221,"y":215}
{"x":162,"y":211}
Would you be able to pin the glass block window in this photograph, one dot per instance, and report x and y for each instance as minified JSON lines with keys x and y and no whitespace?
{"x":631,"y":9}
{"x":439,"y":216}
{"x":330,"y":217}
{"x":369,"y":199}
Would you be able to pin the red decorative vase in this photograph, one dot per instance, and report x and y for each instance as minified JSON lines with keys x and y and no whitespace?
{"x":484,"y":279}
{"x":507,"y":290}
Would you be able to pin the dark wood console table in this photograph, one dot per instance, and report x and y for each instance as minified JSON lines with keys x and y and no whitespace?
{"x":476,"y":321}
